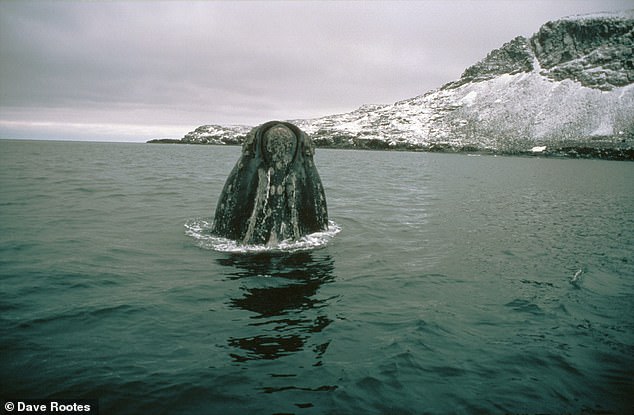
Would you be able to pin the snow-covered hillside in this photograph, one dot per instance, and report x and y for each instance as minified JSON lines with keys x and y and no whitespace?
{"x":569,"y":85}
{"x":511,"y":112}
{"x":217,"y":134}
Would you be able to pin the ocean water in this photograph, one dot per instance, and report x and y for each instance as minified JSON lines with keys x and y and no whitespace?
{"x":447,"y":284}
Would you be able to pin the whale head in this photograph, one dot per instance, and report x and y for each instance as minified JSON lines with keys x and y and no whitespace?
{"x":274,"y":192}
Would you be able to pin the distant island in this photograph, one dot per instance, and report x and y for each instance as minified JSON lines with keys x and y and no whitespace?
{"x":566,"y":91}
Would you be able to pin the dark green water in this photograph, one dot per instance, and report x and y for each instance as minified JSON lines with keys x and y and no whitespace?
{"x":456,"y":285}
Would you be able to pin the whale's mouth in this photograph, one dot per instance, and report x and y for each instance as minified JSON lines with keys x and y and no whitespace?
{"x":279,"y":145}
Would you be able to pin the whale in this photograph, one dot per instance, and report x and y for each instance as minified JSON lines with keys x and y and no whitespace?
{"x":274,"y":192}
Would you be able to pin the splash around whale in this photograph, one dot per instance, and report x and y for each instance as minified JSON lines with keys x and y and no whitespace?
{"x":200,"y":230}
{"x":274,"y":194}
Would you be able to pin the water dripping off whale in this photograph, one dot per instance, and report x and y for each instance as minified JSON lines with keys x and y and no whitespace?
{"x":274,"y":192}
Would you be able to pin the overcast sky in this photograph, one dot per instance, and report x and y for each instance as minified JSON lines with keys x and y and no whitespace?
{"x":136,"y":70}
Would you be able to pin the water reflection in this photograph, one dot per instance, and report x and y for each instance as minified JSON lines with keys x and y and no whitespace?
{"x":281,"y":292}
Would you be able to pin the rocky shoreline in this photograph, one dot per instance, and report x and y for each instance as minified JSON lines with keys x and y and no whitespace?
{"x":580,"y":151}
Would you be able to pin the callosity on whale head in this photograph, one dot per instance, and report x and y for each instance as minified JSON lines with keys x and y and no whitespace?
{"x":274,"y":192}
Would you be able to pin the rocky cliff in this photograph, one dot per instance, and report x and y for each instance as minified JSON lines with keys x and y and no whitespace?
{"x":568,"y":88}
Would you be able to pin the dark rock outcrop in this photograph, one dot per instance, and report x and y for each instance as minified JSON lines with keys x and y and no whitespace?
{"x":598,"y":52}
{"x":513,"y":57}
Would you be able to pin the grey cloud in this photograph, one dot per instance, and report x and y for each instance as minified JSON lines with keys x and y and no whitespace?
{"x":243,"y":62}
